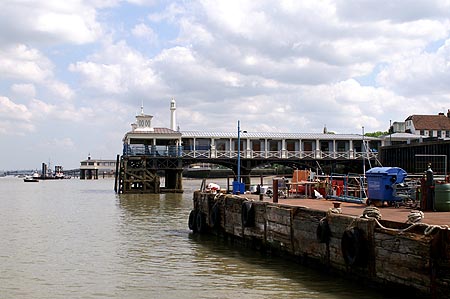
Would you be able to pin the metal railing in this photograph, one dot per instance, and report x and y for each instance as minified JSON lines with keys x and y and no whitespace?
{"x":178,"y":151}
{"x":152,"y":150}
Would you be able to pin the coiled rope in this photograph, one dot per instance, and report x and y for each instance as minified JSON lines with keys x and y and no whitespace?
{"x":414,"y":219}
{"x":371,"y":212}
{"x":335,"y":210}
{"x":415,"y":216}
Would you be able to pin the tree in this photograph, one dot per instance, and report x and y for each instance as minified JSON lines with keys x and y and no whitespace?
{"x":376,"y":134}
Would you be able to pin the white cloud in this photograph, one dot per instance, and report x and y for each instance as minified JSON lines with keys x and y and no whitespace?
{"x":24,"y":90}
{"x":419,"y":74}
{"x":21,"y":62}
{"x":15,"y":118}
{"x":396,"y":11}
{"x":106,"y":78}
{"x":43,"y":111}
{"x":118,"y":69}
{"x":48,"y":21}
{"x":145,"y":32}
{"x":60,"y":89}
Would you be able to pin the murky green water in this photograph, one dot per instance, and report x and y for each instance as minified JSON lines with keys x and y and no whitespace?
{"x":78,"y":239}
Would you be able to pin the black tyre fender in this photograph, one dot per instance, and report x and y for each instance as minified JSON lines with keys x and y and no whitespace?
{"x":248,"y":214}
{"x":191,"y":221}
{"x":200,"y":222}
{"x":215,"y":216}
{"x":323,"y":231}
{"x":354,"y":247}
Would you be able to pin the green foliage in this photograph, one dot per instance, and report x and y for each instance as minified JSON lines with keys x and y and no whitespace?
{"x":376,"y":134}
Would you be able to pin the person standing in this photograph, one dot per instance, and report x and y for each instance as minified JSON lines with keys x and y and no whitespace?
{"x":429,"y":184}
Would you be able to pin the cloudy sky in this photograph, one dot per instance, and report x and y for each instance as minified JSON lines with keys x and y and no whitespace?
{"x":73,"y":73}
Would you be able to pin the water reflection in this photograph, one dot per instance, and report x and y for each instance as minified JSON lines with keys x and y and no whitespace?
{"x":229,"y":266}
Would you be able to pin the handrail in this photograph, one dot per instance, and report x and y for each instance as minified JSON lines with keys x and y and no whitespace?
{"x":178,"y":151}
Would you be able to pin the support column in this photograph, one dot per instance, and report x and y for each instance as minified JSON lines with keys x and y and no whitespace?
{"x":174,"y":180}
{"x":317,"y":151}
{"x":334,"y":148}
{"x":212,"y":149}
{"x":351,"y":155}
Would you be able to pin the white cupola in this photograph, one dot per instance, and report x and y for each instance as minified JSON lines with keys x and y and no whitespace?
{"x":143,"y":122}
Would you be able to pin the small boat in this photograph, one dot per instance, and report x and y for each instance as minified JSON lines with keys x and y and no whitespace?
{"x":30,"y":179}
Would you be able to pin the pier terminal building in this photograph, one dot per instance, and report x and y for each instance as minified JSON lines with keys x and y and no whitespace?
{"x":148,"y":150}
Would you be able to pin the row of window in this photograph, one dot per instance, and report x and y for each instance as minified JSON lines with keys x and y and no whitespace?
{"x":435,"y":133}
{"x":98,"y":163}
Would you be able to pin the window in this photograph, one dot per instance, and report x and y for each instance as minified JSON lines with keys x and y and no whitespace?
{"x":341,"y":146}
{"x":290,"y":145}
{"x":308,"y":146}
{"x":324,"y":146}
{"x":273,"y":145}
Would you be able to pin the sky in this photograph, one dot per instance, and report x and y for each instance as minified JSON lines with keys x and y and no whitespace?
{"x":74,"y":73}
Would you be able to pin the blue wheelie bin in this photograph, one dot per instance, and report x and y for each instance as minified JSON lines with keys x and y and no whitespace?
{"x":381,"y":182}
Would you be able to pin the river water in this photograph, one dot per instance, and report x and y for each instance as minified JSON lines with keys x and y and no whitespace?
{"x":78,"y":239}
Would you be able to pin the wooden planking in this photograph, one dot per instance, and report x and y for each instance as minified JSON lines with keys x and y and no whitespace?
{"x":406,"y":259}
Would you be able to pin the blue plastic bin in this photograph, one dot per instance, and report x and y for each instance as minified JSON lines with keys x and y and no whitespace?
{"x":381,"y":182}
{"x":238,"y":188}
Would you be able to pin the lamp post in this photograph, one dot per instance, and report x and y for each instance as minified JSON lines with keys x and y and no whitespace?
{"x":239,"y":154}
{"x":237,"y":186}
{"x":390,"y":132}
{"x":365,"y":152}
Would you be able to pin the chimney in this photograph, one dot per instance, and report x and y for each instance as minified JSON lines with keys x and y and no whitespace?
{"x":448,"y":113}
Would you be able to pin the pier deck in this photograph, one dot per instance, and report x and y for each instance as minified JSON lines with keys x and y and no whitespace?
{"x":390,"y":213}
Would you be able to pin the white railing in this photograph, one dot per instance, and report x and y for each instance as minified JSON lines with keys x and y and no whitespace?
{"x":279,"y":155}
{"x":304,"y":155}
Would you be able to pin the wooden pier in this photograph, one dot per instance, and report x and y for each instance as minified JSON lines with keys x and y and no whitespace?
{"x":141,"y":174}
{"x":381,"y":250}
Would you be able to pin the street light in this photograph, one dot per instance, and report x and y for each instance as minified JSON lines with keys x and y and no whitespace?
{"x":390,"y":132}
{"x":239,"y":155}
{"x":365,"y":152}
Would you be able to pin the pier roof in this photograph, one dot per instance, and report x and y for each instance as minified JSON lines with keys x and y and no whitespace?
{"x":261,"y":135}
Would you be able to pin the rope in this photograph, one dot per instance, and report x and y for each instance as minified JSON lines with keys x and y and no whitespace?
{"x":371,"y":212}
{"x":415,"y":216}
{"x":335,"y":210}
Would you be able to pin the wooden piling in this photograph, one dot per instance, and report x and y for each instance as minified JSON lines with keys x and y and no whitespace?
{"x":383,"y":253}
